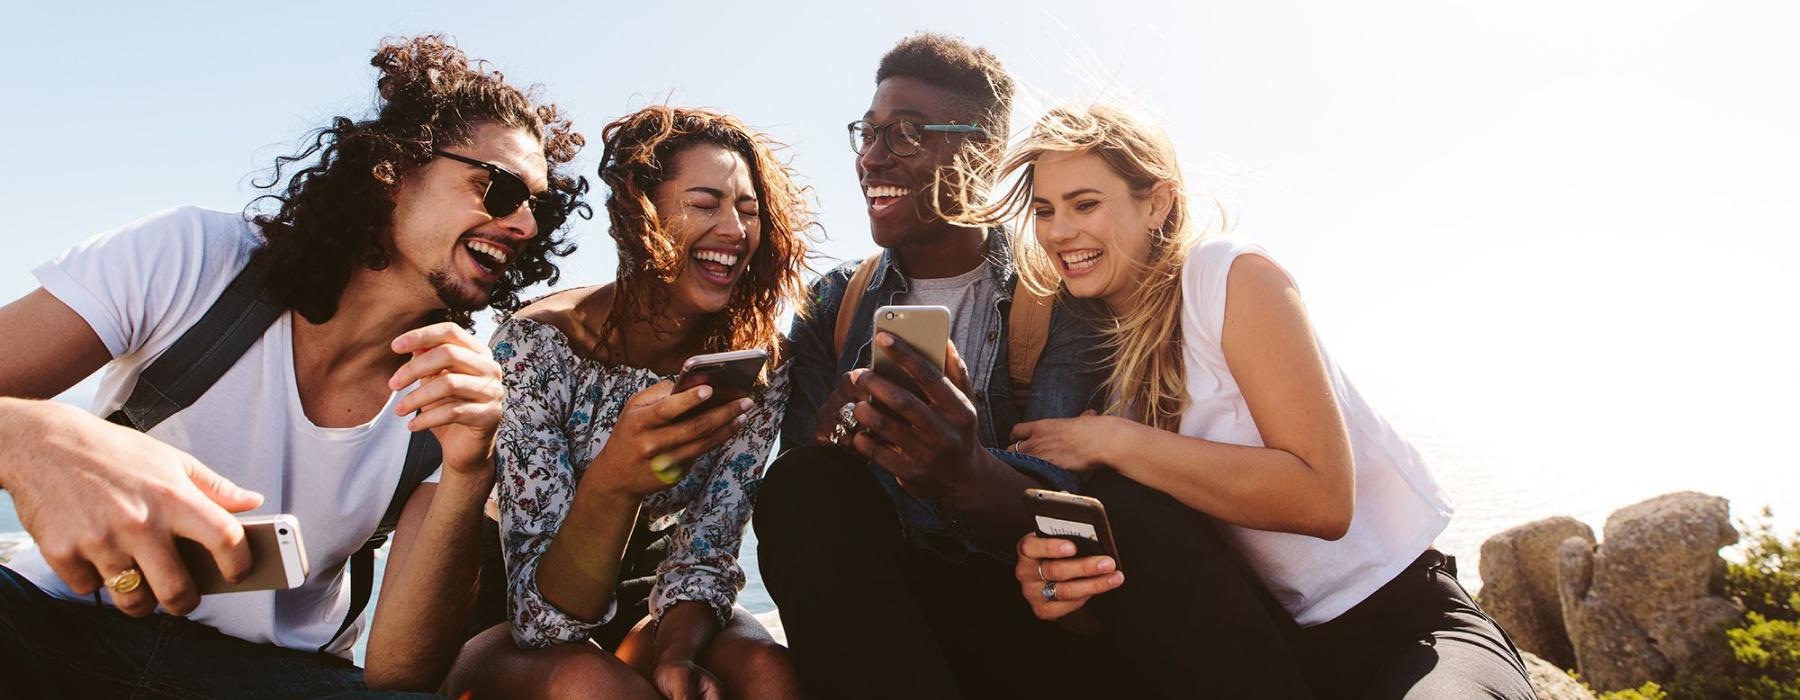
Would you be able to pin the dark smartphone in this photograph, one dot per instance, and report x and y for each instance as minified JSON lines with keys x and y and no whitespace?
{"x":732,"y":375}
{"x":1078,"y":519}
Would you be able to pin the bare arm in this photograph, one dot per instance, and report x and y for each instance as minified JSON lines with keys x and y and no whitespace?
{"x":431,"y":572}
{"x":1302,"y":480}
{"x":98,"y":497}
{"x":47,"y":346}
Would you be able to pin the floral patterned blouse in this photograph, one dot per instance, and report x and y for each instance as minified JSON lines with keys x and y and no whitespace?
{"x":559,"y":410}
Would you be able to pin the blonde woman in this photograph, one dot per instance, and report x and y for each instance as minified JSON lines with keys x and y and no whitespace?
{"x":1221,"y":398}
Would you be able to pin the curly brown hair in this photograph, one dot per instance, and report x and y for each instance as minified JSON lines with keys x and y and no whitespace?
{"x":640,"y":151}
{"x":333,"y":212}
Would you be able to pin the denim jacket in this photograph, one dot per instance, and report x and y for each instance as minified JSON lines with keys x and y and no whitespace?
{"x":1065,"y":383}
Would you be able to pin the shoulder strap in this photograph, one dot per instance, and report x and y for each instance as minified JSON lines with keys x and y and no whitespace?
{"x":202,"y":354}
{"x":853,"y":294}
{"x":423,"y":455}
{"x":1028,"y":327}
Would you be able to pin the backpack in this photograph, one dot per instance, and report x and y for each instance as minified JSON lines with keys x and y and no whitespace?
{"x":1027,"y":329}
{"x":204,"y":352}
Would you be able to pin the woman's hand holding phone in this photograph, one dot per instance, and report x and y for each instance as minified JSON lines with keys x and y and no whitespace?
{"x":1046,"y":560}
{"x":657,"y":439}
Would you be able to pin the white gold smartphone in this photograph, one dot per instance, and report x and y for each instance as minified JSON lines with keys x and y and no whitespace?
{"x":925,"y":328}
{"x":277,"y":557}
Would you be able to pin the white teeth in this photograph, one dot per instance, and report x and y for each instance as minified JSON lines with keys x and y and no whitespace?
{"x":1081,"y":259}
{"x":873,"y":191}
{"x":716,"y":256}
{"x":493,"y":251}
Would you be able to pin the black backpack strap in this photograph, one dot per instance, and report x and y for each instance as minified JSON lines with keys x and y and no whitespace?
{"x":202,"y":354}
{"x":423,"y":455}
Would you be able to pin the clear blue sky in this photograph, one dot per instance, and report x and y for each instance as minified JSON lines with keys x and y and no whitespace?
{"x":1570,"y":227}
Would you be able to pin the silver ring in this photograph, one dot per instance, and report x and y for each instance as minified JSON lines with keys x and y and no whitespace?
{"x":1050,"y":591}
{"x":846,"y":423}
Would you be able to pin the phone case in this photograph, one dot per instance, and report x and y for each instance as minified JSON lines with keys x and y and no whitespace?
{"x":925,"y":328}
{"x":732,"y":375}
{"x":277,"y":558}
{"x":1078,"y":519}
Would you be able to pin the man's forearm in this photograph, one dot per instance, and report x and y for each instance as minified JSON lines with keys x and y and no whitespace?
{"x":429,"y":590}
{"x":994,"y":503}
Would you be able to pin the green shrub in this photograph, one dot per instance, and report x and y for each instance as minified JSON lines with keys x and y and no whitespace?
{"x":1768,"y":582}
{"x":1765,"y":647}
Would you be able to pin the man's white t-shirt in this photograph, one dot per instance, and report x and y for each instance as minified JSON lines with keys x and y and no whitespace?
{"x":140,"y":287}
{"x":1400,"y":508}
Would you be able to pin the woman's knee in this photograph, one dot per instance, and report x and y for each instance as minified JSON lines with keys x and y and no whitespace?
{"x":491,"y":665}
{"x":749,"y":662}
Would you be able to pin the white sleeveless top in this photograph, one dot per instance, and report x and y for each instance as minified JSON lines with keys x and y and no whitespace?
{"x":1400,"y":508}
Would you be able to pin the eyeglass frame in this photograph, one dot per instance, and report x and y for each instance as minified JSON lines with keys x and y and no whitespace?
{"x":548,"y":216}
{"x":884,"y":135}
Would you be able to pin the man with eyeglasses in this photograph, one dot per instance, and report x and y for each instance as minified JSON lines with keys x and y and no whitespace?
{"x":333,"y":327}
{"x":885,"y":540}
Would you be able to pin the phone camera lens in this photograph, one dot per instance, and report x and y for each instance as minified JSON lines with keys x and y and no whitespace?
{"x":890,"y":315}
{"x":282,"y":531}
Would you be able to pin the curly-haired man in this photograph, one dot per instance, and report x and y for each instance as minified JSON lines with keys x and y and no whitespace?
{"x":391,"y":232}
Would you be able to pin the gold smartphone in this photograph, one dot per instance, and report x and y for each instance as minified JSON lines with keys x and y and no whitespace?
{"x":277,"y":557}
{"x":925,"y":328}
{"x":1076,"y":518}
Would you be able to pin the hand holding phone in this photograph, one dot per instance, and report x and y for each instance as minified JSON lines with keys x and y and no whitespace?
{"x":925,"y":328}
{"x":732,"y":375}
{"x":277,"y":558}
{"x":1070,"y":557}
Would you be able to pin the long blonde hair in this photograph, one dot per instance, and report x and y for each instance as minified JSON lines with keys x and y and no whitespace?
{"x":1147,"y":382}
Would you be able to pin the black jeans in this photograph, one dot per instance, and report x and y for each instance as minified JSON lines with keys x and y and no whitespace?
{"x":1418,"y":637}
{"x":869,"y":614}
{"x":52,"y":648}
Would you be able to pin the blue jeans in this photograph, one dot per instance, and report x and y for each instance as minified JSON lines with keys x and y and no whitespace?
{"x":56,"y":648}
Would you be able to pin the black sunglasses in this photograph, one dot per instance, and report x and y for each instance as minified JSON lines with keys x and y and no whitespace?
{"x":506,"y":192}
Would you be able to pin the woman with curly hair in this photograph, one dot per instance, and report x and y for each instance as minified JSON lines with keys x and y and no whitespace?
{"x":622,"y":500}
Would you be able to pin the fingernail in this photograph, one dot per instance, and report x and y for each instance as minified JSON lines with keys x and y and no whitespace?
{"x":705,"y":392}
{"x":1065,"y":549}
{"x":1116,"y":579}
{"x":1106,"y":565}
{"x":745,"y":404}
{"x":740,"y":421}
{"x":884,"y":340}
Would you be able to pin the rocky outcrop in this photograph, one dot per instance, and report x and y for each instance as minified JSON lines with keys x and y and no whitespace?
{"x":1518,"y":574}
{"x":1551,"y":682}
{"x":1646,"y":602}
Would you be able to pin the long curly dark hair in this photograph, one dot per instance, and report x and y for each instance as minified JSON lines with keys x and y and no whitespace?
{"x":640,"y":153}
{"x":333,"y":213}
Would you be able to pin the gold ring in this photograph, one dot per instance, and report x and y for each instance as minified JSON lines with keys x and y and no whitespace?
{"x":125,"y":581}
{"x":1041,"y":576}
{"x":665,"y":469}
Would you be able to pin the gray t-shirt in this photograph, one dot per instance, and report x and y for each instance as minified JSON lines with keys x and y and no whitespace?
{"x":970,"y":299}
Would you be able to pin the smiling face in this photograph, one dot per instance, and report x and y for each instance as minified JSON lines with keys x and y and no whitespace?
{"x":443,"y":235}
{"x":710,"y":207}
{"x":894,"y":186}
{"x":1095,"y":230}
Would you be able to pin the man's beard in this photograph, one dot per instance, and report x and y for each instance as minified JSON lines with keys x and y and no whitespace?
{"x":457,"y":297}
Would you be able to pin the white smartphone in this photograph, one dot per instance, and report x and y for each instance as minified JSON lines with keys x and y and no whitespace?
{"x":925,"y":328}
{"x":277,"y":557}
